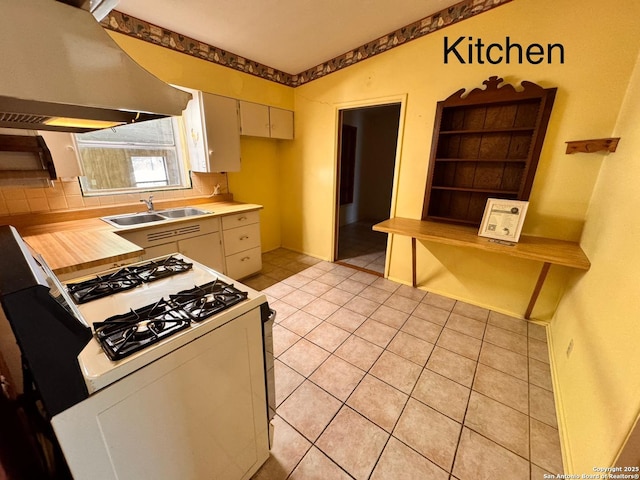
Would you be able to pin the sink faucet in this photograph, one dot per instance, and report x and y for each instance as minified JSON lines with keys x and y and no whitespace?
{"x":149,"y":203}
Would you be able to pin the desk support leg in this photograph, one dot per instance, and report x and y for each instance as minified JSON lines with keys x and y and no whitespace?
{"x":413,"y":261}
{"x":536,"y":290}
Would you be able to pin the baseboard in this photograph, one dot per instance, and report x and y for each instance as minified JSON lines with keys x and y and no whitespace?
{"x":565,"y":444}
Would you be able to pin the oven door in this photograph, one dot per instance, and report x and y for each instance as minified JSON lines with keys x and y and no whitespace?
{"x":193,"y":414}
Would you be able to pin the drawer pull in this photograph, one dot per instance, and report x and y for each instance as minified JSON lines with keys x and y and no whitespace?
{"x":240,"y":219}
{"x":244,"y":237}
{"x":245,"y":259}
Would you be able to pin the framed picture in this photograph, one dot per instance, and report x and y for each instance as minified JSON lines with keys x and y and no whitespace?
{"x":503,"y":219}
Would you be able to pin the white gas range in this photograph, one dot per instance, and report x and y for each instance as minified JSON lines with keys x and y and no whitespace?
{"x":175,"y":364}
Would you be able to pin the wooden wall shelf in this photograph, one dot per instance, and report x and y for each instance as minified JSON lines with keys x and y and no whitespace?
{"x":594,"y":145}
{"x":545,"y":250}
{"x":486,"y":144}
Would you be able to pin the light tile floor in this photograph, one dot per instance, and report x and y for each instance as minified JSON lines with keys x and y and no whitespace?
{"x":377,"y":380}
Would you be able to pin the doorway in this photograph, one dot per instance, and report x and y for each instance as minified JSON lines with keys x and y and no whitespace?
{"x":367,"y":143}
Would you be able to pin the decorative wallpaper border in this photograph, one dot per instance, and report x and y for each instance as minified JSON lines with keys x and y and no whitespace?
{"x":134,"y":27}
{"x":137,"y":28}
{"x":420,"y":28}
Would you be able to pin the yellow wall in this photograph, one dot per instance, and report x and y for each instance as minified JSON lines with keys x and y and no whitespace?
{"x":258,"y":181}
{"x":598,"y":385}
{"x":591,"y":86}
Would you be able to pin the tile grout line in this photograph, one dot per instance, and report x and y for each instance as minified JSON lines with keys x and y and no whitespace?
{"x":464,"y":417}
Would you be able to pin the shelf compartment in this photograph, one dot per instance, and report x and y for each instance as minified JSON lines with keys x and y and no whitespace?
{"x":494,"y":116}
{"x":484,"y":145}
{"x":494,"y":176}
{"x":487,"y":130}
{"x":461,"y":205}
{"x":477,"y":160}
{"x":477,"y":190}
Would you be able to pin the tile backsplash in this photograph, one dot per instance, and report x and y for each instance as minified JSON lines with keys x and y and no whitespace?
{"x":66,"y":195}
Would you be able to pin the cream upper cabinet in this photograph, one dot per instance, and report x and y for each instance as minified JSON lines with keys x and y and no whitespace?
{"x":281,"y":123}
{"x":254,"y":119}
{"x":258,"y":120}
{"x":212,"y":131}
{"x":64,"y":153}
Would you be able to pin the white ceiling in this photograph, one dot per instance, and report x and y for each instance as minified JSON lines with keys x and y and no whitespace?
{"x":288,"y":35}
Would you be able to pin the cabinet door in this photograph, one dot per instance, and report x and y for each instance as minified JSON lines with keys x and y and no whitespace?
{"x":63,"y":152}
{"x":254,"y":119}
{"x":194,"y":132}
{"x":223,"y":133}
{"x":160,"y":250}
{"x":205,"y":249}
{"x":281,"y":123}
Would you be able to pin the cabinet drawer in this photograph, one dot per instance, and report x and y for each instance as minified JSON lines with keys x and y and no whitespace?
{"x":240,"y":219}
{"x":244,"y":263}
{"x":241,"y":238}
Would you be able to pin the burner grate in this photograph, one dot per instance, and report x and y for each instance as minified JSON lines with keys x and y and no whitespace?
{"x":206,"y":300}
{"x":126,"y":278}
{"x":123,"y":335}
{"x":158,"y":269}
{"x":103,"y":285}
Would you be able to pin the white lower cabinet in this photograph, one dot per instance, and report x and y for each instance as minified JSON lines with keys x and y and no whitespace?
{"x":198,"y":240}
{"x":245,"y":263}
{"x":229,"y":244}
{"x":204,"y":249}
{"x":160,"y":250}
{"x":242,"y":249}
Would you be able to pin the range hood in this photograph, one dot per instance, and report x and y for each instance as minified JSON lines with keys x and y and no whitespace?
{"x":61,"y":71}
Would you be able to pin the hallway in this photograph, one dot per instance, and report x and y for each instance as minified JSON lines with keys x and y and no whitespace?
{"x":362,"y":247}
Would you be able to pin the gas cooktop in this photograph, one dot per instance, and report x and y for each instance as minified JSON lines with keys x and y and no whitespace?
{"x":126,"y":278}
{"x":122,"y":335}
{"x":170,"y":312}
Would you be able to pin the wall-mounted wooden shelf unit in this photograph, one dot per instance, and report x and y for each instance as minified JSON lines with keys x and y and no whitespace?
{"x":486,"y":144}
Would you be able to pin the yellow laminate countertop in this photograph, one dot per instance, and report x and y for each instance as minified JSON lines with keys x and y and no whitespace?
{"x":76,"y":245}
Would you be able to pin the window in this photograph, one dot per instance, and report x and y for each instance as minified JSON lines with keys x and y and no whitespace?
{"x":134,"y":157}
{"x":150,"y":171}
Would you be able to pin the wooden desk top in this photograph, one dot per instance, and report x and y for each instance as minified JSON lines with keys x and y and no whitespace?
{"x":557,"y":252}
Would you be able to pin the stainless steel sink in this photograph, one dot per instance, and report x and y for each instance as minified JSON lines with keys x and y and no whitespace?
{"x":182,"y":212}
{"x":133,"y":219}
